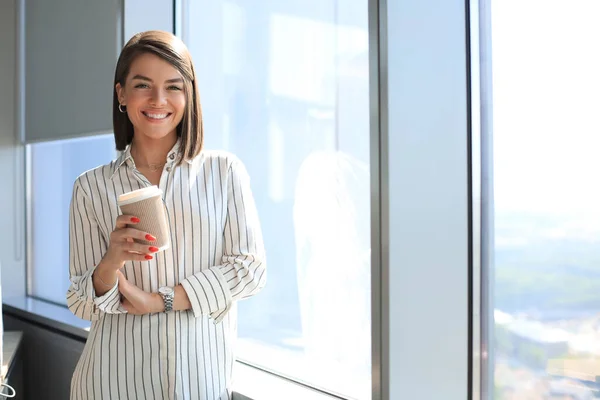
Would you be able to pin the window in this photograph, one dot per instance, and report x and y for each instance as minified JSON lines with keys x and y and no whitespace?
{"x":53,"y":167}
{"x":284,"y":85}
{"x":547,"y":293}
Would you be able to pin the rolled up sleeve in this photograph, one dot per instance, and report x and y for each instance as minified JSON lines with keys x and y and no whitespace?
{"x":86,"y":248}
{"x":242,"y":272}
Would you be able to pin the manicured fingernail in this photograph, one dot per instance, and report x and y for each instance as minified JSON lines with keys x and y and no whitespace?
{"x":150,"y":237}
{"x":135,"y":220}
{"x":148,"y":257}
{"x":153,"y":249}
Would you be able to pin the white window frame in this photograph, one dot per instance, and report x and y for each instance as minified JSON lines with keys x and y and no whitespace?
{"x":428,"y":175}
{"x":482,"y":375}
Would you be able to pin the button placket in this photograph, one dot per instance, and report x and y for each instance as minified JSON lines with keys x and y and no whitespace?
{"x":170,"y":163}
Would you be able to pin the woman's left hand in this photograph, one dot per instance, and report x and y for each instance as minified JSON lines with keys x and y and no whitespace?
{"x":136,"y":301}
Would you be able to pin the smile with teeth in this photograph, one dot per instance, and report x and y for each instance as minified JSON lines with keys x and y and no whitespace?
{"x":155,"y":115}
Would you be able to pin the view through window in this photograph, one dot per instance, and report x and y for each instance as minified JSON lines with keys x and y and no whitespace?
{"x":546,"y":80}
{"x":54,"y":167}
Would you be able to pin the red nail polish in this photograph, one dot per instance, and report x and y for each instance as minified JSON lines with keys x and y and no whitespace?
{"x":135,"y":220}
{"x":150,"y":238}
{"x":153,"y":249}
{"x":148,"y":257}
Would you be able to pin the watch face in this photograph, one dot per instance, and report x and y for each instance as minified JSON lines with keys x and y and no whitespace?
{"x":165,"y":290}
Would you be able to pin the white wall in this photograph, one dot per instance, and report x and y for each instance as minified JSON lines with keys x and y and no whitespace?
{"x":12,"y":198}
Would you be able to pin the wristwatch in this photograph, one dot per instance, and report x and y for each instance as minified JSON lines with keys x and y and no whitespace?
{"x":168,"y":295}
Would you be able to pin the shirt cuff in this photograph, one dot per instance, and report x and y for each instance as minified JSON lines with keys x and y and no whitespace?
{"x":109,"y":302}
{"x":209,"y":294}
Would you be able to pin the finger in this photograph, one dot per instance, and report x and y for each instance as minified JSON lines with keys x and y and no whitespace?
{"x":139,"y":248}
{"x":131,"y":233}
{"x":124,"y":220}
{"x":134,"y":256}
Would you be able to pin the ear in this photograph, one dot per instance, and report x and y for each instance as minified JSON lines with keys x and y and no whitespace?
{"x":120,"y":93}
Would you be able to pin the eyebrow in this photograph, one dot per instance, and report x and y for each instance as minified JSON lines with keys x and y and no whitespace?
{"x":145,"y":78}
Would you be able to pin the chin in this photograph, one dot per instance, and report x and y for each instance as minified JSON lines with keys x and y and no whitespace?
{"x":158,"y":135}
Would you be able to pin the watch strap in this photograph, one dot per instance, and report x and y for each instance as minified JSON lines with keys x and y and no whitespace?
{"x":168,"y":300}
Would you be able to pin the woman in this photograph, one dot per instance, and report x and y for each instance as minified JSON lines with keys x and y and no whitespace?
{"x":137,"y":348}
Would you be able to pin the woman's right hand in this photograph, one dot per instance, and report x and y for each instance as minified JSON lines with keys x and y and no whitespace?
{"x":122,"y":247}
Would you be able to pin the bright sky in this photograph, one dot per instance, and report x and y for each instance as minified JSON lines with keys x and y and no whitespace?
{"x":546,"y":60}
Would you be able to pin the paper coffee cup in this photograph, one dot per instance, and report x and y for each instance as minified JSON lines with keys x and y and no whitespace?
{"x":148,"y":206}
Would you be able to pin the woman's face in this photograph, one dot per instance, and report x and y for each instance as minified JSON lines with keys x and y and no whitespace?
{"x":154,"y":96}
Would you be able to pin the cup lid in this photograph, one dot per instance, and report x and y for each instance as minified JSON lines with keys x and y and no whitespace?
{"x":139,"y":194}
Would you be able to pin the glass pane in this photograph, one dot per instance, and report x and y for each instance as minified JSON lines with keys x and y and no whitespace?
{"x":546,"y":82}
{"x":284,"y":86}
{"x":54,"y":168}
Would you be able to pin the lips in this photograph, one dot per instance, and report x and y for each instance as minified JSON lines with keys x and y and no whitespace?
{"x":156,"y":115}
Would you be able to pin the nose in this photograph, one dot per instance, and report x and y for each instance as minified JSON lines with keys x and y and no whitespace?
{"x":158,"y":97}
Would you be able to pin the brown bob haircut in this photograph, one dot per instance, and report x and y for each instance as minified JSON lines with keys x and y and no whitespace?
{"x":171,"y":49}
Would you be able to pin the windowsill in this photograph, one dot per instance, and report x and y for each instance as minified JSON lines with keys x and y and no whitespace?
{"x":249,"y":382}
{"x":252,"y":383}
{"x":50,"y":315}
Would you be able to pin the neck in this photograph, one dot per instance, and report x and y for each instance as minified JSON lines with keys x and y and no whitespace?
{"x":149,"y":152}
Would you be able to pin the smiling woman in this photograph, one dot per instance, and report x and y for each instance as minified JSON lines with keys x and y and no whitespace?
{"x":153,"y":100}
{"x":163,"y":323}
{"x":155,"y":75}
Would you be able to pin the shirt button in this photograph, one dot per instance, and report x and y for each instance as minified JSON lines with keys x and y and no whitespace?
{"x":172,"y":156}
{"x":168,"y":169}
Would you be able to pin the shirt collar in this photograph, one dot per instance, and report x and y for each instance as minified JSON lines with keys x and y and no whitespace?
{"x":126,"y":157}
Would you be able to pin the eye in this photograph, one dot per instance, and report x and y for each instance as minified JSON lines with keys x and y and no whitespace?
{"x":173,"y":87}
{"x":141,"y":86}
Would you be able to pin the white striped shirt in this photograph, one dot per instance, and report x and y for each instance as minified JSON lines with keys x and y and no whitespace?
{"x":216,"y":254}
